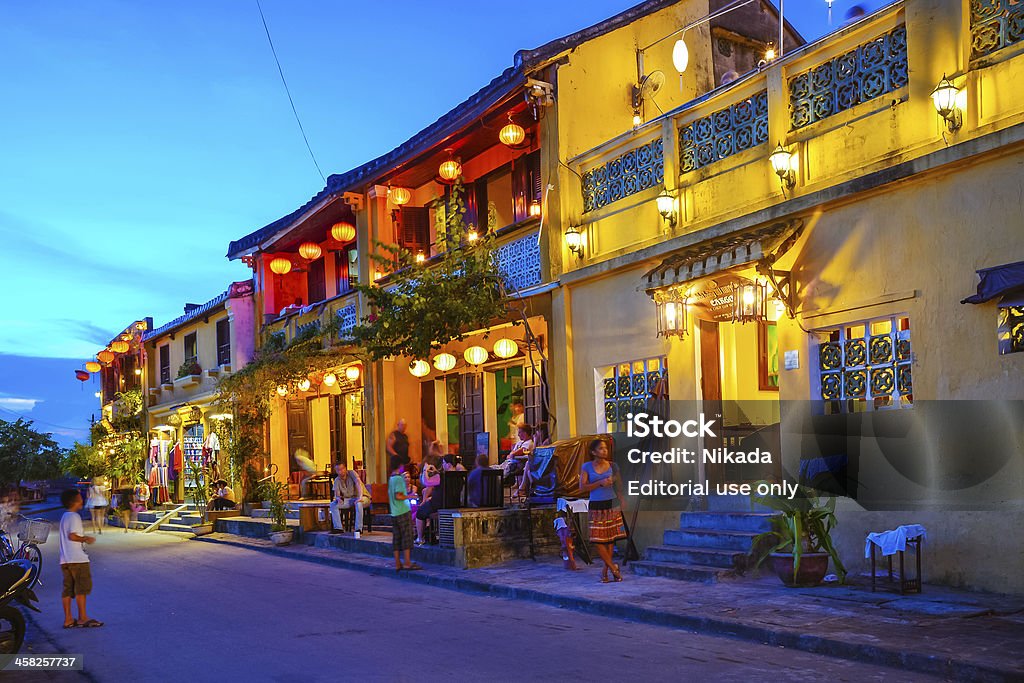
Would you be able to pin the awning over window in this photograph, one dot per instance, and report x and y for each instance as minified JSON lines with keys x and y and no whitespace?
{"x":722,"y":253}
{"x":997,"y":281}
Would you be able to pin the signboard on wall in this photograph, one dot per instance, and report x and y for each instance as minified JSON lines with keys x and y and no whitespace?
{"x":712,"y":298}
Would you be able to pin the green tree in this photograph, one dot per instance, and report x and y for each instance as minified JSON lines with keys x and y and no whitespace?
{"x":27,"y":454}
{"x":84,"y":461}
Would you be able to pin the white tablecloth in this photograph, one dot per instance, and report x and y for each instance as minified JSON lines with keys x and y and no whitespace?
{"x":574,"y":505}
{"x":894,"y":540}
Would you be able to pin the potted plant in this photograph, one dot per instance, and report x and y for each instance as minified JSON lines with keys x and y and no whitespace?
{"x":799,"y":545}
{"x":198,"y":493}
{"x":280,"y":533}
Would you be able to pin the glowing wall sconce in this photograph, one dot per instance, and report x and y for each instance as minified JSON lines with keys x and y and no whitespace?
{"x":574,"y":240}
{"x":750,"y":301}
{"x":667,"y":206}
{"x":783,"y":162}
{"x":946,"y":97}
{"x":672,"y":318}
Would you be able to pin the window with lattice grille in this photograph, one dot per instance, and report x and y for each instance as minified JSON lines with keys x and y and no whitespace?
{"x":630,"y":388}
{"x":866,"y":366}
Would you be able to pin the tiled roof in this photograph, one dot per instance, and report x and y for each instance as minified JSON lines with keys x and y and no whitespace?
{"x":525,"y":61}
{"x":196,"y":312}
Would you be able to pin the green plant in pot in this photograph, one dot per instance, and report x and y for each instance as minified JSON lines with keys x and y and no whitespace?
{"x":273,"y":493}
{"x":799,"y":545}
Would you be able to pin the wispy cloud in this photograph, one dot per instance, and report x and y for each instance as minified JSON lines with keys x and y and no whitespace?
{"x":18,"y":404}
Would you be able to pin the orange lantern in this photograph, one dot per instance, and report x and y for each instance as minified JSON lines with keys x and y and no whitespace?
{"x":450,"y":169}
{"x":343,"y":231}
{"x":105,"y":356}
{"x":93,"y":366}
{"x":119,"y":346}
{"x":512,"y":135}
{"x":400,"y":196}
{"x":281,"y":265}
{"x":310,"y":251}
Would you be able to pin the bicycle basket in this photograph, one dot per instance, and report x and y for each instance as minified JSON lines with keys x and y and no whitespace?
{"x":34,"y":531}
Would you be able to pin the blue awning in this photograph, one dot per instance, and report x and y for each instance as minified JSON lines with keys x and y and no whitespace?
{"x":997,"y":281}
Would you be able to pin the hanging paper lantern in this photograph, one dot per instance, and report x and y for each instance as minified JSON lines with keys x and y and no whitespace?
{"x":81,"y":375}
{"x":449,"y":169}
{"x":105,"y":356}
{"x":93,"y":366}
{"x":282,"y":390}
{"x":343,"y":231}
{"x":400,"y":196}
{"x":126,"y":337}
{"x":119,"y":346}
{"x":303,"y":384}
{"x":419,"y":368}
{"x":281,"y":265}
{"x":512,"y":135}
{"x":310,"y":251}
{"x":352,"y":373}
{"x":505,"y":348}
{"x":330,"y":379}
{"x":475,"y":355}
{"x":444,"y":362}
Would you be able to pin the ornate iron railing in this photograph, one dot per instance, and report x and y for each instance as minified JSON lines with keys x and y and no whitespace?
{"x":995,"y":24}
{"x":723,"y":133}
{"x":638,"y":169}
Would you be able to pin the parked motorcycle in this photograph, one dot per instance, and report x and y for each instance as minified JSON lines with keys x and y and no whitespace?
{"x":16,"y":580}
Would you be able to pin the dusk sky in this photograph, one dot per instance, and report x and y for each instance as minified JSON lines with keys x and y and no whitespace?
{"x":140,"y":137}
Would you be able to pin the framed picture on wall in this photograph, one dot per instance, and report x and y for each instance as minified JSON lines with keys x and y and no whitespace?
{"x":767,"y":357}
{"x":355,"y":409}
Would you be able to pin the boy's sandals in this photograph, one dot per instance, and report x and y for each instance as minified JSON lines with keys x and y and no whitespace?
{"x":92,"y":623}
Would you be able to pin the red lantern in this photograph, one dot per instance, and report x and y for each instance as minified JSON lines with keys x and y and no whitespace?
{"x":81,"y":375}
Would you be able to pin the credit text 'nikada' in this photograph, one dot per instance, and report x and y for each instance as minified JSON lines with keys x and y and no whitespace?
{"x":642,"y":424}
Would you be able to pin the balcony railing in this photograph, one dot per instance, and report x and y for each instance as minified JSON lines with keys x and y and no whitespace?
{"x":310,"y":319}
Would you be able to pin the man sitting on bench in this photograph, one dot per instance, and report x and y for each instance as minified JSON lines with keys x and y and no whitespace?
{"x":349,"y":492}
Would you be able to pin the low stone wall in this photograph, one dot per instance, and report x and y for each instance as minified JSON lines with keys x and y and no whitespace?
{"x":484,"y":537}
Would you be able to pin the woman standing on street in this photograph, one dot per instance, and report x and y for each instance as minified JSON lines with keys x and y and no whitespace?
{"x":599,"y":477}
{"x":97,"y":503}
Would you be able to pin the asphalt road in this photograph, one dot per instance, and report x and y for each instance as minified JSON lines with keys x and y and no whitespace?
{"x":179,"y":610}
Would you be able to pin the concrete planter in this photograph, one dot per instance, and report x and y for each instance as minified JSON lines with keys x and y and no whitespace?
{"x":188,"y":380}
{"x":813,"y":567}
{"x":202,"y":529}
{"x":281,"y":537}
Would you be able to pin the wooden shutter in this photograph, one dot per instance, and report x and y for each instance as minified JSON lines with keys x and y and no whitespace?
{"x":526,"y":184}
{"x":471,"y":415}
{"x":165,"y":364}
{"x":224,"y":342}
{"x":534,"y":393}
{"x":316,"y":285}
{"x":414,"y":229}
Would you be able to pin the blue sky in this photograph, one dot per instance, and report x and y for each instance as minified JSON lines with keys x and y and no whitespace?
{"x":140,"y":137}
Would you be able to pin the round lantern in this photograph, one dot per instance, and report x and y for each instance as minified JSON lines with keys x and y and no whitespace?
{"x":475,"y":355}
{"x":303,"y":384}
{"x":419,"y":368}
{"x":512,"y":135}
{"x":282,"y":390}
{"x":444,"y":362}
{"x":310,"y":251}
{"x":81,"y":375}
{"x":352,"y":373}
{"x":450,"y":169}
{"x":119,"y":346}
{"x":281,"y":265}
{"x":343,"y":231}
{"x":93,"y":366}
{"x":126,"y":337}
{"x":105,"y":356}
{"x":330,"y":379}
{"x":400,"y":196}
{"x":505,"y":348}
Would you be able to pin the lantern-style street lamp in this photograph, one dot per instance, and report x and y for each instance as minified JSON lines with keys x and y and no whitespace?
{"x":749,"y":301}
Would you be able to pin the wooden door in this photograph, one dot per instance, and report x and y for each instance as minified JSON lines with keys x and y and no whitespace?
{"x":711,"y":389}
{"x":471,"y":415}
{"x":298,"y":431}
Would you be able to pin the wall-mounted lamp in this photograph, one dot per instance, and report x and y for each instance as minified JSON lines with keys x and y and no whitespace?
{"x":671,"y":317}
{"x":472,"y":235}
{"x":945,"y":98}
{"x":750,"y":301}
{"x":667,"y":207}
{"x":420,"y":257}
{"x":534,"y":208}
{"x":637,"y":119}
{"x":783,"y":162}
{"x":574,"y":240}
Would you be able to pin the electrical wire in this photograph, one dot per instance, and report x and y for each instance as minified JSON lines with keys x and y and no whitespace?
{"x":33,"y":419}
{"x":289,"y":92}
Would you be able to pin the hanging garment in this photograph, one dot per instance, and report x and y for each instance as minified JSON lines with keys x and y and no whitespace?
{"x":178,"y":464}
{"x":212,"y":442}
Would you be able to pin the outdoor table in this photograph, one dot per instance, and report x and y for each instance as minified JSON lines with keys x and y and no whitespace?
{"x":320,"y":487}
{"x":896,"y":541}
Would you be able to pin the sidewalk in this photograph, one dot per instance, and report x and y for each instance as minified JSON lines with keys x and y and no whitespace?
{"x":953,"y":634}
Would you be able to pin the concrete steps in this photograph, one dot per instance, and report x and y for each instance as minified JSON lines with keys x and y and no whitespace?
{"x":707,"y":546}
{"x":249,"y":527}
{"x":380,"y":546}
{"x":263,"y":513}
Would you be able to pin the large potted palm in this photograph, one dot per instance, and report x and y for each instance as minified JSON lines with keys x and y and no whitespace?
{"x":799,"y":546}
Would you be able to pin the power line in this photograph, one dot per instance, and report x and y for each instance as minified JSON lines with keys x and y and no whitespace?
{"x":289,"y":92}
{"x":34,"y":419}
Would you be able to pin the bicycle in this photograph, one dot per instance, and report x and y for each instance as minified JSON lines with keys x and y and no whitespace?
{"x":31,"y":533}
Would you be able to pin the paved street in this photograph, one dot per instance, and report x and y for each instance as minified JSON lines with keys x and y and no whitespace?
{"x":178,"y":610}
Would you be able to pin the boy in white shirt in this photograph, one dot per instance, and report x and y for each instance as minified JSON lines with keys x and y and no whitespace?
{"x":74,"y":563}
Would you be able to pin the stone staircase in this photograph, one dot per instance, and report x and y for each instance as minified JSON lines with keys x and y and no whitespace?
{"x":181,"y":522}
{"x":707,"y":546}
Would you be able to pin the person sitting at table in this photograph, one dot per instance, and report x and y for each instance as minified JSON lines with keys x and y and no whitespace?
{"x":349,"y":492}
{"x":518,"y":458}
{"x":428,"y":507}
{"x":223,"y":497}
{"x":475,"y":482}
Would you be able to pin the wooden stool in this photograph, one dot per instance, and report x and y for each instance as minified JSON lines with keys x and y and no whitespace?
{"x":906,"y":585}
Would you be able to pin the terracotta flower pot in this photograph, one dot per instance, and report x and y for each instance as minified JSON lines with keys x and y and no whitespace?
{"x":813,"y":567}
